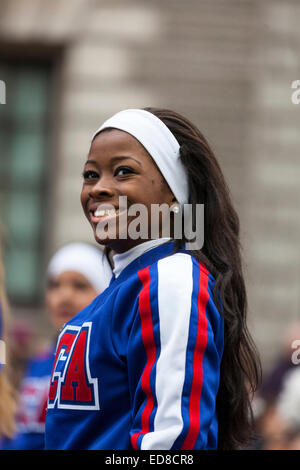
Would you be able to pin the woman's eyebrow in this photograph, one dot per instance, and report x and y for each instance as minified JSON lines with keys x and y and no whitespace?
{"x":116,"y":159}
{"x":90,"y":161}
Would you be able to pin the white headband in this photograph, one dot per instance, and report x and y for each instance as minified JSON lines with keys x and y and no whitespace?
{"x":85,"y":259}
{"x":159,"y":142}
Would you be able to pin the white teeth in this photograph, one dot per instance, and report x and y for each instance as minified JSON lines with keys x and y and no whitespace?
{"x":103,"y":212}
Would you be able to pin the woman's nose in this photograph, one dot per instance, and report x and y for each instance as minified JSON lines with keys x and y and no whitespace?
{"x":103,"y":187}
{"x":66,"y":291}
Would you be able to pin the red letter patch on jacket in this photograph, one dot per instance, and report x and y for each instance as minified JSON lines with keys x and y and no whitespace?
{"x":71,"y":385}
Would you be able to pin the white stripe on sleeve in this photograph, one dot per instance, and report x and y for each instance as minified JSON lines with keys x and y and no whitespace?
{"x":175,"y":286}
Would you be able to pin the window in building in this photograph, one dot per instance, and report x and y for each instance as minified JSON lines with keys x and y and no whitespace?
{"x":24,"y":164}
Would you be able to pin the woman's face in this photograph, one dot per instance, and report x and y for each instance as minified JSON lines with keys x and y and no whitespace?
{"x":118,"y":165}
{"x":66,"y":295}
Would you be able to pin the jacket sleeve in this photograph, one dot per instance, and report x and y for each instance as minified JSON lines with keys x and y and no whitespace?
{"x":174,"y":354}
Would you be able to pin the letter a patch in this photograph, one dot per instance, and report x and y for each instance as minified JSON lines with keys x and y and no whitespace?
{"x":72,"y":386}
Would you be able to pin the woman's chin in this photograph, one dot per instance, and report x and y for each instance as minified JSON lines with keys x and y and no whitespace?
{"x":103,"y":243}
{"x":117,"y":245}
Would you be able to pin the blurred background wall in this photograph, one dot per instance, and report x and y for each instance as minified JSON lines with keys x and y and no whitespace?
{"x":228,"y":65}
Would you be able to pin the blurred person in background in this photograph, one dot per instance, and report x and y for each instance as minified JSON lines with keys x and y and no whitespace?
{"x":277,"y":402}
{"x":271,"y":429}
{"x":7,"y":391}
{"x":76,"y":274}
{"x":22,"y":345}
{"x":288,"y":408}
{"x":273,"y":381}
{"x":279,"y":422}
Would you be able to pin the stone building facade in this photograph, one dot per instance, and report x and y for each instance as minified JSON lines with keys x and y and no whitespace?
{"x":228,"y":65}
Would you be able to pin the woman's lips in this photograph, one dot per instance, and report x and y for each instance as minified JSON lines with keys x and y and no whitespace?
{"x":66,"y":313}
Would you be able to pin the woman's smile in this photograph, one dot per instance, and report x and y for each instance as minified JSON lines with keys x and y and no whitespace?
{"x":101,"y":213}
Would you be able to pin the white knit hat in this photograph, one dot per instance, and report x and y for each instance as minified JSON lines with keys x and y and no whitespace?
{"x":86,"y":259}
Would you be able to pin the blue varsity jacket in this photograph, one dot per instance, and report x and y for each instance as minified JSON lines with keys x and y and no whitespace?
{"x":139,"y":367}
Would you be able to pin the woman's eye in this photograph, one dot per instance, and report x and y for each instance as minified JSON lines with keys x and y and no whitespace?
{"x":52,"y":284}
{"x":80,"y":285}
{"x":89,"y":174}
{"x":122,"y":171}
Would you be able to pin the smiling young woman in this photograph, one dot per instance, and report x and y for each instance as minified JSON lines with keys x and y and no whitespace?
{"x":118,"y":165}
{"x":162,"y":359}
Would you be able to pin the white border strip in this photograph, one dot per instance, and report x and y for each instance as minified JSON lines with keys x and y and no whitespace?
{"x":2,"y":352}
